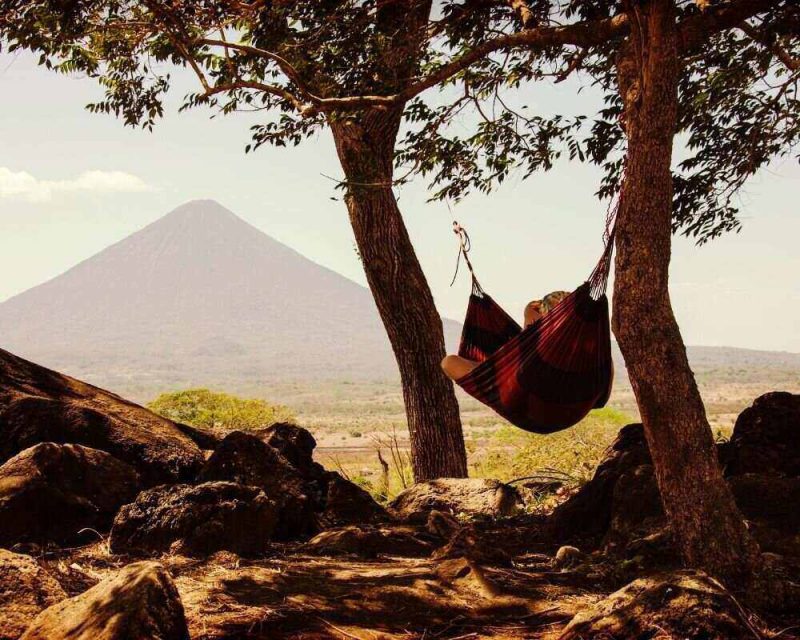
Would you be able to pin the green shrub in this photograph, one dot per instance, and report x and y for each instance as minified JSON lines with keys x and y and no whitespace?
{"x":574,"y":452}
{"x":219,"y":411}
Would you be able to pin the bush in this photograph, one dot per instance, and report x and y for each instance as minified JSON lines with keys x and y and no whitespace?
{"x":219,"y":411}
{"x":573,"y":453}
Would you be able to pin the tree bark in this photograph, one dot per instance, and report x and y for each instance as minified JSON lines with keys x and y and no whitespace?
{"x":705,"y":521}
{"x":365,"y":145}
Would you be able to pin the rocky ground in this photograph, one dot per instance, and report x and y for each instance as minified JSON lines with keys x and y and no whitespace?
{"x":118,"y":524}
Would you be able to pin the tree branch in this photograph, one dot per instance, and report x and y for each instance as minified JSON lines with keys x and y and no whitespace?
{"x":575,"y":61}
{"x":303,"y":108}
{"x":283,"y":64}
{"x":793,"y":64}
{"x":694,"y":30}
{"x":582,"y":34}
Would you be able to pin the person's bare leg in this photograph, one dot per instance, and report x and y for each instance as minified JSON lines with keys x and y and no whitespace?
{"x":457,"y":367}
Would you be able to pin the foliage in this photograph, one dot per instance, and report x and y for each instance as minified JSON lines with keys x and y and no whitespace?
{"x":571,"y":454}
{"x":308,"y":64}
{"x":738,"y":100}
{"x":219,"y":411}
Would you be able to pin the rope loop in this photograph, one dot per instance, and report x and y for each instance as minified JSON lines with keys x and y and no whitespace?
{"x":464,"y":247}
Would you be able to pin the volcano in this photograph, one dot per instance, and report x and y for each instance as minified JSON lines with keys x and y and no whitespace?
{"x":199,"y":297}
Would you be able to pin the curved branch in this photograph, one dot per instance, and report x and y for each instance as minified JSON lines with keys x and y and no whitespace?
{"x":694,"y":30}
{"x":283,"y":64}
{"x":793,"y":64}
{"x":581,"y":34}
{"x":280,"y":92}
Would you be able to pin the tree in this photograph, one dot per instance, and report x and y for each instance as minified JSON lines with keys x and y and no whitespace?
{"x":305,"y":64}
{"x":726,"y":73}
{"x":219,"y":411}
{"x":665,"y":67}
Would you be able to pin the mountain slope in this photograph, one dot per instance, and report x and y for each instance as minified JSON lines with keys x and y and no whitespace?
{"x":198,"y":297}
{"x":201,"y":297}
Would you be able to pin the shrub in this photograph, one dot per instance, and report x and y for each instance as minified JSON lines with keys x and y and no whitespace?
{"x":219,"y":411}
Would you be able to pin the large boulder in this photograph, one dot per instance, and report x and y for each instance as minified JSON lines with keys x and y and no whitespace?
{"x":40,"y":405}
{"x":51,"y":492}
{"x":197,"y":520}
{"x":279,"y":461}
{"x":766,"y":437}
{"x":636,"y":509}
{"x":347,"y":503}
{"x":138,"y":603}
{"x":245,"y":459}
{"x":468,"y":496}
{"x":296,"y":444}
{"x":684,"y":604}
{"x":26,"y":589}
{"x":620,"y":507}
{"x":588,"y":513}
{"x":769,"y":500}
{"x":204,"y":438}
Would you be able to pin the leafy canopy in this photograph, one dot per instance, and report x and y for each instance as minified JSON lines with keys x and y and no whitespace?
{"x":308,"y":63}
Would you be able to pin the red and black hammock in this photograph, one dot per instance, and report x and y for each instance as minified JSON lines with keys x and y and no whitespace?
{"x":548,"y":376}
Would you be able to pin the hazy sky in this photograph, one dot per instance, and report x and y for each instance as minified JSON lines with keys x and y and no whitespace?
{"x":72,"y":182}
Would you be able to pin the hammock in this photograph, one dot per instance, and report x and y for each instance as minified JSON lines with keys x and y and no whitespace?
{"x":548,"y":376}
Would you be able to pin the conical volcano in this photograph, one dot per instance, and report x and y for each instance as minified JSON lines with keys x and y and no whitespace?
{"x":199,"y":297}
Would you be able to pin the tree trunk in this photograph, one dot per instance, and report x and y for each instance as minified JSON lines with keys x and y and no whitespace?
{"x":706,"y":524}
{"x":365,"y":145}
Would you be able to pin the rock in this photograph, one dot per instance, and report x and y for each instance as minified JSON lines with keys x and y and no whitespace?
{"x":769,"y":500}
{"x":245,"y":459}
{"x":651,"y":550}
{"x":206,"y":439}
{"x":25,"y":590}
{"x":683,"y":604}
{"x":468,"y":496}
{"x":197,"y":520}
{"x":567,"y":557}
{"x":636,"y":506}
{"x":307,"y":495}
{"x":296,"y":444}
{"x":371,"y":541}
{"x":51,"y":492}
{"x":442,"y":525}
{"x":347,"y":503}
{"x":766,"y":437}
{"x":635,"y":518}
{"x":138,"y":603}
{"x":40,"y":405}
{"x":587,"y":514}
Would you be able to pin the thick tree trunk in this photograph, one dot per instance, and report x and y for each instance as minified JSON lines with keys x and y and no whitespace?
{"x":365,"y":145}
{"x":705,"y":522}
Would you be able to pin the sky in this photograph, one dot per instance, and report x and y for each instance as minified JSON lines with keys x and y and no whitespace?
{"x":72,"y":182}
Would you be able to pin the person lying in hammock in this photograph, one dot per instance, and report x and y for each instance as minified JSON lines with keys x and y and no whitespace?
{"x":457,"y":367}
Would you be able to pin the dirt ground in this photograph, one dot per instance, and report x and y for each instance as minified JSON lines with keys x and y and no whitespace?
{"x":294,"y":595}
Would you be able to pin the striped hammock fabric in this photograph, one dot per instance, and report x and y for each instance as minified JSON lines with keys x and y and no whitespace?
{"x":548,"y":376}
